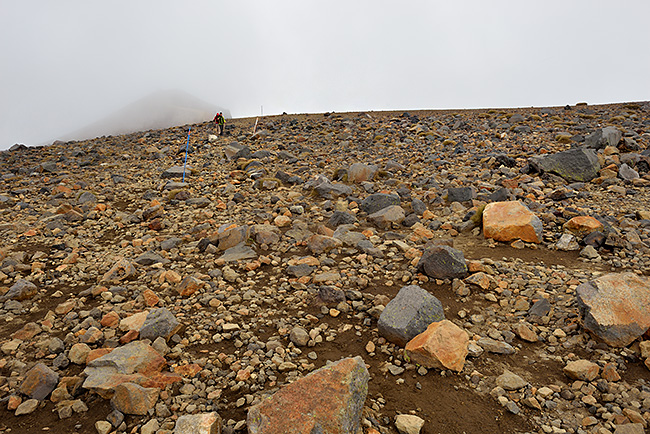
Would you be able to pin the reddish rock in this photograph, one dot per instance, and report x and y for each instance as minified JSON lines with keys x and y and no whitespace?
{"x":329,"y":400}
{"x":39,"y":382}
{"x":129,"y":336}
{"x":481,"y":279}
{"x":28,"y":331}
{"x":189,"y":286}
{"x":615,"y":307}
{"x":133,"y":322}
{"x":160,"y":380}
{"x":230,"y":237}
{"x":525,"y":333}
{"x":65,"y":307}
{"x":91,"y":336}
{"x":111,"y":319}
{"x":130,"y":398}
{"x":150,"y":298}
{"x":442,"y":345}
{"x":188,"y":371}
{"x":609,"y":372}
{"x":97,"y":353}
{"x":583,"y":370}
{"x":508,"y":221}
{"x":581,"y":226}
{"x":13,"y":402}
{"x":135,"y":362}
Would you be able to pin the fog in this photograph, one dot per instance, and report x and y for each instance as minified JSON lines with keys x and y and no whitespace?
{"x":67,"y":64}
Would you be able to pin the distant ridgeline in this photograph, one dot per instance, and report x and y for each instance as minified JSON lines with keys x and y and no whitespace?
{"x":159,"y":110}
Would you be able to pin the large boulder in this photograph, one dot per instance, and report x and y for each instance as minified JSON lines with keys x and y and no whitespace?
{"x":615,"y":307}
{"x":328,"y":400}
{"x":442,"y":345}
{"x":508,"y":221}
{"x":409,"y":314}
{"x":443,"y":262}
{"x":574,"y":165}
{"x":378,"y":201}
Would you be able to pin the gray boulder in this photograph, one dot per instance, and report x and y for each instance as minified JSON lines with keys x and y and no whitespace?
{"x":443,"y":262}
{"x":235,"y":151}
{"x":573,"y":165}
{"x":378,"y":201}
{"x":615,"y":307}
{"x":460,"y":194}
{"x":159,"y":322}
{"x":409,"y":314}
{"x":609,"y":136}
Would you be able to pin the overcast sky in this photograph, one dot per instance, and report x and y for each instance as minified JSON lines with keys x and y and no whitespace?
{"x":67,"y":63}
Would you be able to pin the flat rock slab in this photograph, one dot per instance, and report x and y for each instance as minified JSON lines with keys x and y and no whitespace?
{"x":509,"y":221}
{"x":177,"y":172}
{"x":238,"y":253}
{"x":442,"y":345}
{"x":409,"y":314}
{"x":615,"y":307}
{"x":574,"y":165}
{"x":131,"y":362}
{"x":328,"y":400}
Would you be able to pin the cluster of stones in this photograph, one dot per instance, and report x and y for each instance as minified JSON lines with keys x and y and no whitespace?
{"x":208,"y":305}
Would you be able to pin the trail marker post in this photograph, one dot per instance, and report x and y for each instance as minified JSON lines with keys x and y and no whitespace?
{"x":186,"y":148}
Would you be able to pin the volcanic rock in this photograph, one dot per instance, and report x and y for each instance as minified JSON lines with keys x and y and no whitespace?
{"x":442,"y":345}
{"x":328,"y":400}
{"x":409,"y":314}
{"x":443,"y":262}
{"x":615,"y":307}
{"x":574,"y":165}
{"x":507,"y":221}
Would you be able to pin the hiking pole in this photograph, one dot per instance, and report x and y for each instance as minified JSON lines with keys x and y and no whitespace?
{"x":186,"y":148}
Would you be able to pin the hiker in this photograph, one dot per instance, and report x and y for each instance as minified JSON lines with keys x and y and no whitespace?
{"x":220,"y":121}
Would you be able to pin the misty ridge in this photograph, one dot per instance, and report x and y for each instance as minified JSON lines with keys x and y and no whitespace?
{"x":159,"y":110}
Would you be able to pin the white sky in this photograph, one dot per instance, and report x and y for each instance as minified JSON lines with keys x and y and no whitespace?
{"x":67,"y":63}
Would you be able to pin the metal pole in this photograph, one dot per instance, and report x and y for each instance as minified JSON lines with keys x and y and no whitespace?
{"x":186,"y":148}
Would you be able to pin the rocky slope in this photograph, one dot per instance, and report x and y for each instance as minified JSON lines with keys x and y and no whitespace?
{"x":135,"y":302}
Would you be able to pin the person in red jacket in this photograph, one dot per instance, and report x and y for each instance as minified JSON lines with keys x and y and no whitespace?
{"x":221,"y":122}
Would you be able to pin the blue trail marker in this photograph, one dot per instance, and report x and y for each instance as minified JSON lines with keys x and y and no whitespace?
{"x":186,"y":148}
